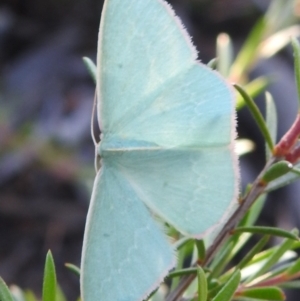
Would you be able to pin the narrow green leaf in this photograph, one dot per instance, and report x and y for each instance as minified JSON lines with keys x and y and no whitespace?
{"x":212,"y":64}
{"x":274,"y":257}
{"x":255,"y":250}
{"x":201,"y":249}
{"x":182,"y":272}
{"x":214,"y":286}
{"x":279,"y":269}
{"x":60,"y":296}
{"x":91,"y":67}
{"x":181,"y":242}
{"x":248,"y":220}
{"x":284,"y":180}
{"x":275,"y":171}
{"x":73,"y":268}
{"x":257,"y":116}
{"x":214,"y":283}
{"x":239,"y":242}
{"x":267,"y":231}
{"x":49,"y":282}
{"x":296,"y":171}
{"x":295,"y":268}
{"x":220,"y":261}
{"x":224,"y":54}
{"x":271,"y":121}
{"x":264,"y":255}
{"x":291,"y":284}
{"x":276,"y":270}
{"x":264,"y":293}
{"x":252,"y":215}
{"x":277,"y":41}
{"x":296,"y":48}
{"x":249,"y":52}
{"x":296,"y":245}
{"x":228,"y":290}
{"x":253,"y":89}
{"x":202,"y":285}
{"x":5,"y":294}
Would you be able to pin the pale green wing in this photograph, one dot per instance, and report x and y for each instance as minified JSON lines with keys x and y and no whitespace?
{"x":141,"y":50}
{"x":196,"y":110}
{"x":156,"y":99}
{"x":125,"y":255}
{"x":151,"y":88}
{"x":192,"y":189}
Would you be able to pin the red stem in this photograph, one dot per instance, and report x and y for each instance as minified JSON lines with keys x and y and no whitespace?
{"x":287,"y":142}
{"x":294,"y":155}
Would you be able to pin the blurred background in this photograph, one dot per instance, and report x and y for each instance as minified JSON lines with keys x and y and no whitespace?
{"x":46,"y":99}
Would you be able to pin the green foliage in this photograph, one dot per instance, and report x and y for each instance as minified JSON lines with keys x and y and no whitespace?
{"x":51,"y":290}
{"x":75,"y":269}
{"x":256,"y":115}
{"x":49,"y":283}
{"x":266,"y":231}
{"x":202,"y":285}
{"x":91,"y":67}
{"x":227,"y":291}
{"x":5,"y":293}
{"x":264,"y":293}
{"x":296,"y":47}
{"x":275,"y":171}
{"x":201,"y":249}
{"x":271,"y":122}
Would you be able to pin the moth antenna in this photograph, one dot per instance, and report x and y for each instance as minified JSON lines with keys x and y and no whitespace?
{"x":97,"y":166}
{"x":92,"y":119}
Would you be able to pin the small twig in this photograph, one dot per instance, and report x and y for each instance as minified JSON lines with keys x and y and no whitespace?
{"x":256,"y":190}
